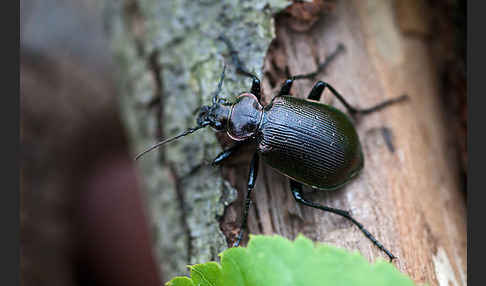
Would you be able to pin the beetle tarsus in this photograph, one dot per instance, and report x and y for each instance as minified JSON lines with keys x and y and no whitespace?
{"x":382,"y":105}
{"x":220,"y":86}
{"x":296,"y":189}
{"x":322,"y":66}
{"x":240,"y":66}
{"x":320,"y":86}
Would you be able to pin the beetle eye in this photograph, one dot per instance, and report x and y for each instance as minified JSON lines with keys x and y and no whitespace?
{"x":203,"y":114}
{"x":204,"y":109}
{"x":223,"y":101}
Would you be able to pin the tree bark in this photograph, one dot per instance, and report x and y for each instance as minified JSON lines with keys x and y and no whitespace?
{"x":408,"y":193}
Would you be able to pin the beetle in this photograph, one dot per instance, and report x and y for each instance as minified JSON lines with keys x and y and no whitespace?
{"x":311,"y":143}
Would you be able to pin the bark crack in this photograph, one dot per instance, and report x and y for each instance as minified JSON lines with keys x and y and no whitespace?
{"x":158,"y":99}
{"x":135,"y":22}
{"x":182,"y":206}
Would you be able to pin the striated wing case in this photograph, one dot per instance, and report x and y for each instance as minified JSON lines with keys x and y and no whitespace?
{"x":313,"y":143}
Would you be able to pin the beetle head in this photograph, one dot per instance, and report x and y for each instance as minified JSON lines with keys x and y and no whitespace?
{"x":215,"y":116}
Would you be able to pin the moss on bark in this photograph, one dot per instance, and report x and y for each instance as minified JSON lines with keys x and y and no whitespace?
{"x":169,"y":62}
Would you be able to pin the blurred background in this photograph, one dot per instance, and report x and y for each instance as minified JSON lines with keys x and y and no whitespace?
{"x":82,"y":215}
{"x":82,"y":220}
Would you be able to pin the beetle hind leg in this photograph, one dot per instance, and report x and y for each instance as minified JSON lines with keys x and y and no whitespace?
{"x":296,"y":189}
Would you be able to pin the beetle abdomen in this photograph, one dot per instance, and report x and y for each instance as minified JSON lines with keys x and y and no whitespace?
{"x":312,"y":143}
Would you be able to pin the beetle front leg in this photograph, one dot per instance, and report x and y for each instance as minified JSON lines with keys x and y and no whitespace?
{"x":255,"y":88}
{"x":251,"y":184}
{"x":240,"y":66}
{"x":223,"y":156}
{"x":296,"y":189}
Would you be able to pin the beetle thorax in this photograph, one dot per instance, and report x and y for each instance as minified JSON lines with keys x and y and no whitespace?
{"x":245,"y":117}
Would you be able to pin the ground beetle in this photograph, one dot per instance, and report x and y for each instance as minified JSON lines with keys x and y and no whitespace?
{"x":309,"y":142}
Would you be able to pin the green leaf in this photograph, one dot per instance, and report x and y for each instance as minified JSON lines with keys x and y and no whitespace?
{"x":206,"y":274}
{"x":180,"y":281}
{"x":274,"y":260}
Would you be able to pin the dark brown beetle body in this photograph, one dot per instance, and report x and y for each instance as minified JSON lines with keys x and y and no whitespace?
{"x":309,"y":142}
{"x":245,"y":117}
{"x":312,"y":143}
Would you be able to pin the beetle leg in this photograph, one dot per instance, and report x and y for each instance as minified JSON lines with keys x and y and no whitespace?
{"x":318,"y":88}
{"x":354,"y":111}
{"x":296,"y":189}
{"x":240,"y":66}
{"x":317,"y":91}
{"x":382,"y":104}
{"x":285,"y":89}
{"x":227,"y":153}
{"x":255,"y":88}
{"x":322,"y":66}
{"x":251,"y":184}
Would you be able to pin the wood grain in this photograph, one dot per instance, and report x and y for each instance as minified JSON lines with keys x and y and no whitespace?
{"x":410,"y":198}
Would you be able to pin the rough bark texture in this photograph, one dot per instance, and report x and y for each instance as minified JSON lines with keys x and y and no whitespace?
{"x":408,"y":194}
{"x":171,"y":62}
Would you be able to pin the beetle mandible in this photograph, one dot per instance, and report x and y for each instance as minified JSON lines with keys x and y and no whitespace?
{"x":284,"y":133}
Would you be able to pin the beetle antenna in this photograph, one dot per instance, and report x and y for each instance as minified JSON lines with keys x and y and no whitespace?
{"x":187,"y":132}
{"x":220,"y":85}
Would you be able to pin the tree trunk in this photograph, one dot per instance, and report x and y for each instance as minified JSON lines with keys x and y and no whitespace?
{"x":408,"y":193}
